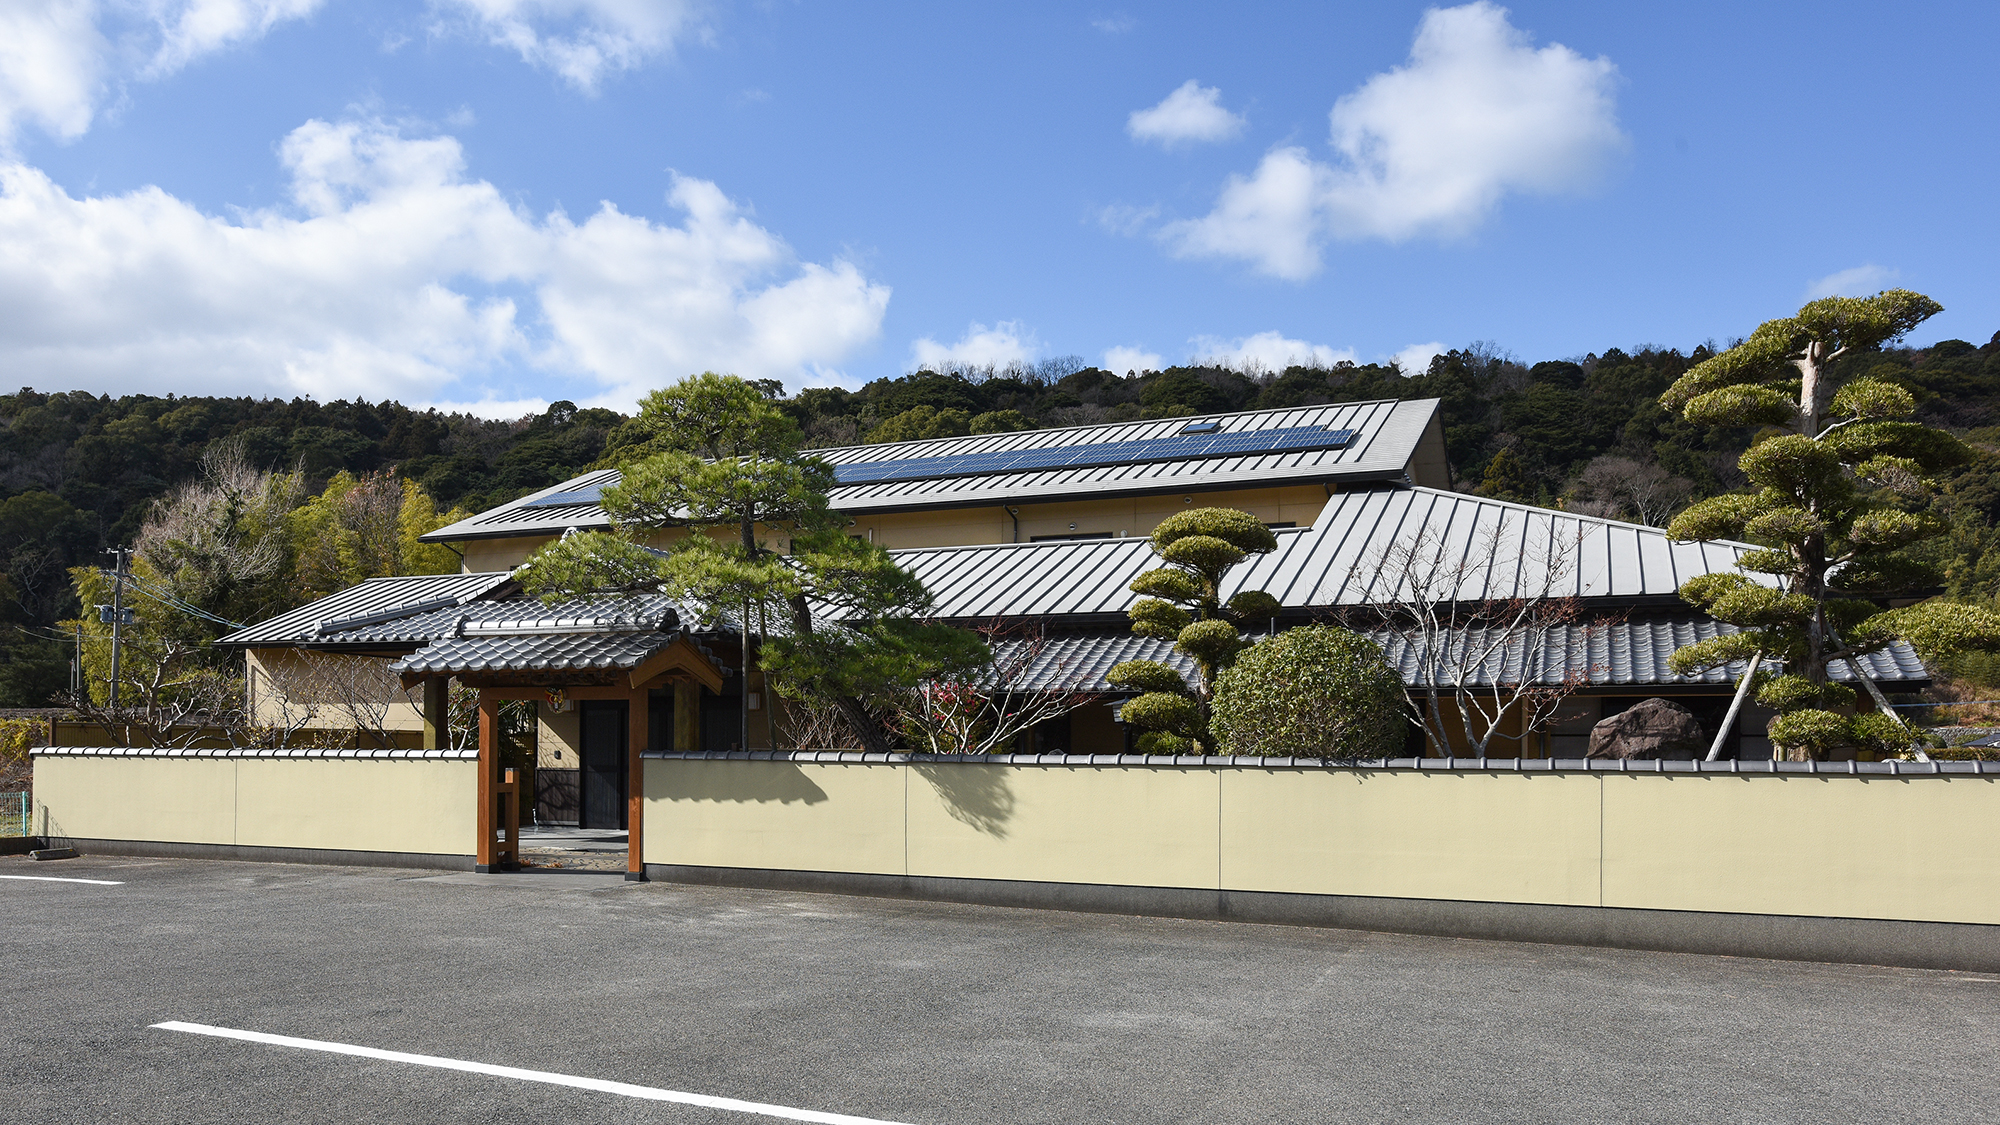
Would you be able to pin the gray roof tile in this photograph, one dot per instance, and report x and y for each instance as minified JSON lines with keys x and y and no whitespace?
{"x":377,"y":603}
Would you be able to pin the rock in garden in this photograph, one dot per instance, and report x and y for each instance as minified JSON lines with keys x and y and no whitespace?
{"x":1653,"y":729}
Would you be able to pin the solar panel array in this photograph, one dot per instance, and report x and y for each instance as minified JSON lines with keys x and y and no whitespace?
{"x":1183,"y":447}
{"x":1187,"y":447}
{"x":590,"y":495}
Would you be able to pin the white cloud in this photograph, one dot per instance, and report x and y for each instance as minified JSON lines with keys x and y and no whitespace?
{"x":1266,"y":351}
{"x":1007,"y":342}
{"x":60,"y":59}
{"x":51,"y":67}
{"x":396,"y":276}
{"x":189,"y":29}
{"x":1190,"y":114}
{"x":1120,"y":360}
{"x":1429,"y":148}
{"x":1416,"y":359}
{"x":1861,"y":281}
{"x":581,"y":40}
{"x":1115,"y":25}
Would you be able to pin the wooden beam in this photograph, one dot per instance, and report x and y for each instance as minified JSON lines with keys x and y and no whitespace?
{"x":489,"y":758}
{"x":680,"y":656}
{"x":437,"y":714}
{"x":687,"y":717}
{"x":637,"y":715}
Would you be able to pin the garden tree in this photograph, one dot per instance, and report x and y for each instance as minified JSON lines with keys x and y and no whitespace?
{"x":1182,"y":602}
{"x":1481,"y":652}
{"x":170,"y":686}
{"x":1839,"y":484}
{"x":1317,"y":691}
{"x":852,"y":626}
{"x":367,"y":527}
{"x":985,"y":710}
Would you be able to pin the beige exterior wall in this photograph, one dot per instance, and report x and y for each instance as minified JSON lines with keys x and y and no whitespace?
{"x":1850,"y":847}
{"x":378,"y":805}
{"x":331,"y":678}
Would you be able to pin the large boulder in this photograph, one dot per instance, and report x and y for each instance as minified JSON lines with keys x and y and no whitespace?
{"x":1653,"y":729}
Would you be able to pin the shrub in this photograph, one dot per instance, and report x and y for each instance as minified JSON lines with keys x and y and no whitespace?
{"x":1313,"y":692}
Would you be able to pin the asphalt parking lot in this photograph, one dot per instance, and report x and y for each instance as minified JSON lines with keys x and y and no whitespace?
{"x":918,"y":1013}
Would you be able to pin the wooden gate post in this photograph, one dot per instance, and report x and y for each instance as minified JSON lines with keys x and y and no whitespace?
{"x":637,"y":729}
{"x":489,"y":759}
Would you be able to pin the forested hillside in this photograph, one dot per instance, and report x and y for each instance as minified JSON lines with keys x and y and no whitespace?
{"x":80,"y":472}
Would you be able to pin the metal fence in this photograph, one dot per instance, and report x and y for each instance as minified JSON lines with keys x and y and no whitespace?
{"x":17,"y":811}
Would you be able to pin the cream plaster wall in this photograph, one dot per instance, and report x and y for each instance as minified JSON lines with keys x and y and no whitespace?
{"x":1878,"y":847}
{"x":381,"y":805}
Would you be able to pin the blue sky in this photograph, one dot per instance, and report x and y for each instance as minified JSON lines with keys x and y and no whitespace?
{"x":497,"y":203}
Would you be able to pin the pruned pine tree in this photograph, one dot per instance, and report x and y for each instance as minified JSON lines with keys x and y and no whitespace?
{"x":723,"y":462}
{"x":1182,"y":602}
{"x":1837,"y":509}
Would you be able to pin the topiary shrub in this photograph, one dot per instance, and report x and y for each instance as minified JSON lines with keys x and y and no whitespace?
{"x":1183,"y":603}
{"x":1317,"y":691}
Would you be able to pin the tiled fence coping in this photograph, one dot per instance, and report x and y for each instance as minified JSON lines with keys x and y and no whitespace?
{"x":248,"y":752}
{"x":1454,"y":765}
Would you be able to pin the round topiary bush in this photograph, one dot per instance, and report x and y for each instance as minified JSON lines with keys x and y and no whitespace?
{"x":1313,"y":692}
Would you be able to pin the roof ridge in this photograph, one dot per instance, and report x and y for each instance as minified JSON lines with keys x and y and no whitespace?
{"x":1128,"y":422}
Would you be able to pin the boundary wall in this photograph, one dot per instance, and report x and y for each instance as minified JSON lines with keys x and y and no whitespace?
{"x":1884,"y":863}
{"x":401,"y":808}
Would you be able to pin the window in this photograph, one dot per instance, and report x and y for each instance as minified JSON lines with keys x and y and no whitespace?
{"x":1066,"y":538}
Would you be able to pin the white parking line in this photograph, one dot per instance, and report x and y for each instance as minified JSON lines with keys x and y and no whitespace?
{"x":623,"y":1089}
{"x":58,"y":879}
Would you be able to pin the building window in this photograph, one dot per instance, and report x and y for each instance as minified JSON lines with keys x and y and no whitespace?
{"x":1066,"y":538}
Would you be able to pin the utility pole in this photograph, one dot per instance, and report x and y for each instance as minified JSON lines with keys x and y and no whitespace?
{"x":117,"y":620}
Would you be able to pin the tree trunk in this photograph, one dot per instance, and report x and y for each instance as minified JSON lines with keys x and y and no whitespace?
{"x":873,"y":739}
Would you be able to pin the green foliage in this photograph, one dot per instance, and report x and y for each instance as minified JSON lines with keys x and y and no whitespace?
{"x":1831,"y":514}
{"x":366,"y":527}
{"x":1001,"y":422}
{"x":723,"y":463}
{"x":920,"y":422}
{"x":1183,"y":603}
{"x":1144,"y":676}
{"x":1316,"y":692}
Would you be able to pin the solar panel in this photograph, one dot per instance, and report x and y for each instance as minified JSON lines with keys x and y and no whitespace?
{"x":1185,"y":446}
{"x":590,"y":495}
{"x":1182,"y":447}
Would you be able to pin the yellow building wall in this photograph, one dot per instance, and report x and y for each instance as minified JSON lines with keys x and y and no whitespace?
{"x":1876,"y":847}
{"x":270,"y":671}
{"x":378,"y":805}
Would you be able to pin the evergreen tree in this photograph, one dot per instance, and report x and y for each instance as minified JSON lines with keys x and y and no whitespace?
{"x":726,"y":466}
{"x":1841,"y":481}
{"x":1182,"y":602}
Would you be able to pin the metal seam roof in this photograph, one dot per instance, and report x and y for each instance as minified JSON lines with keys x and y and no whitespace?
{"x":1389,"y":432}
{"x":1337,"y":561}
{"x":371,"y":598}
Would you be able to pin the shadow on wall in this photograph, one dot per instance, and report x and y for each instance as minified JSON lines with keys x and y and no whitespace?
{"x":974,"y":795}
{"x":776,"y":781}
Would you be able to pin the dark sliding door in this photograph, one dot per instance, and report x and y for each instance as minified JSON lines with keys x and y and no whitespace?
{"x":605,"y":769}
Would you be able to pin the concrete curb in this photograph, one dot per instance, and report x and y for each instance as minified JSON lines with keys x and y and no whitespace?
{"x":156,"y":849}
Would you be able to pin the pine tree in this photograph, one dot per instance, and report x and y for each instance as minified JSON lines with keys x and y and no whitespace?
{"x":1840,"y":483}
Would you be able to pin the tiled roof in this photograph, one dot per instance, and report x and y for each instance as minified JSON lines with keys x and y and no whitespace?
{"x":1621,"y":654}
{"x":376,"y":602}
{"x":539,"y":652}
{"x":1387,"y":435}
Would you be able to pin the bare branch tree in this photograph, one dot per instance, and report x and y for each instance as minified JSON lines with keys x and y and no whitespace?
{"x":1482,"y":630}
{"x":985,"y":711}
{"x":1615,"y":487}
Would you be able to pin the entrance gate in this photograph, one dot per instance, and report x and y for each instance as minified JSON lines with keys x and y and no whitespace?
{"x":606,"y":775}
